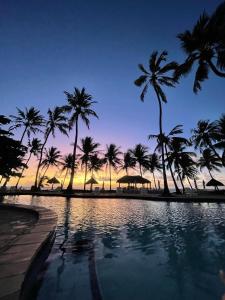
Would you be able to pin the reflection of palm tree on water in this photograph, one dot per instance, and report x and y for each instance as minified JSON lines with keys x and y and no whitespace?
{"x":82,"y":241}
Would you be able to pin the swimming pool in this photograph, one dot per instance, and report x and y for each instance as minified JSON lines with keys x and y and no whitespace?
{"x":117,"y":249}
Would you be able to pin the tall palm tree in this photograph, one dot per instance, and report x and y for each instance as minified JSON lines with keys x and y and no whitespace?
{"x":88,"y":148}
{"x":204,"y":135}
{"x":56,"y":121}
{"x":202,"y":45}
{"x":154,"y":165}
{"x":52,"y":158}
{"x":112,"y":159}
{"x":30,"y":120}
{"x":209,"y":161}
{"x":79,"y":105}
{"x":220,"y":131}
{"x":34,"y":147}
{"x":67,"y":164}
{"x":188,"y":168}
{"x":158,"y":76}
{"x":129,"y":161}
{"x":178,"y":155}
{"x":140,"y":153}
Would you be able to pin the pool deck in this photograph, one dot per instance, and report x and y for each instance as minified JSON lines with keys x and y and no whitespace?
{"x":188,"y":197}
{"x":20,"y":250}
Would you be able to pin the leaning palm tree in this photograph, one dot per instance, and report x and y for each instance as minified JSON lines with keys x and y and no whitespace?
{"x":129,"y":161}
{"x":79,"y":105}
{"x":203,"y":46}
{"x":178,"y":155}
{"x":220,"y":131}
{"x":34,"y":149}
{"x":209,"y":161}
{"x":30,"y":120}
{"x":204,"y":135}
{"x":88,"y":148}
{"x":168,"y":138}
{"x":52,"y":158}
{"x":67,"y":164}
{"x":112,"y":160}
{"x":188,"y":168}
{"x":140,"y":154}
{"x":154,"y":165}
{"x":156,"y":77}
{"x":56,"y":121}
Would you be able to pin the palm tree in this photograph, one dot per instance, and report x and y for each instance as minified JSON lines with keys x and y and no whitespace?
{"x":172,"y":135}
{"x":67,"y":164}
{"x":52,"y":158}
{"x":154,"y":165}
{"x":79,"y":104}
{"x":203,"y":46}
{"x":30,"y":119}
{"x":128,"y":161}
{"x":209,"y":161}
{"x":140,"y":153}
{"x":112,"y":159}
{"x":188,"y":168}
{"x":178,"y":155}
{"x":56,"y":121}
{"x":35,"y":147}
{"x":204,"y":135}
{"x":95,"y":163}
{"x":220,"y":131}
{"x":157,"y":77}
{"x":88,"y":147}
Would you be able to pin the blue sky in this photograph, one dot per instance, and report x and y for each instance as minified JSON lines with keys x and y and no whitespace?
{"x":51,"y":46}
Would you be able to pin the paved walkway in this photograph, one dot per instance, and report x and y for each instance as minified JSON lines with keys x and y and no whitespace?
{"x":24,"y":231}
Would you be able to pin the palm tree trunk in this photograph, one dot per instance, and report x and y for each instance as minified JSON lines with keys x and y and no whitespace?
{"x":64,"y":178}
{"x":181,"y":181}
{"x":70,"y":185}
{"x":210,"y":174}
{"x":154,"y":180}
{"x":23,"y":170}
{"x":171,"y":172}
{"x":215,"y":70}
{"x":166,"y":188}
{"x":21,"y":140}
{"x":189,"y":183}
{"x":6,"y":181}
{"x":110,"y":178}
{"x":40,"y":160}
{"x":43,"y":175}
{"x":85,"y":176}
{"x":140,"y":169}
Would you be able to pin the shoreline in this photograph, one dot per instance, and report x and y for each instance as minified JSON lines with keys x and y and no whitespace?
{"x":198,"y":198}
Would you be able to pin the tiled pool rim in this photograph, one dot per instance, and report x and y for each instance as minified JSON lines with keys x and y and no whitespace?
{"x":27,"y":253}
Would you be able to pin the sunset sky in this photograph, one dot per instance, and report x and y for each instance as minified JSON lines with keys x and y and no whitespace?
{"x":51,"y":46}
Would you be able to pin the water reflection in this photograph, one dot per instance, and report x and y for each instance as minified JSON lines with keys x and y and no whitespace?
{"x":123,"y":249}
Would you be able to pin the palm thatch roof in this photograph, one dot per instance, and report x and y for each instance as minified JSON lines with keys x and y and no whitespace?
{"x":133,"y":179}
{"x":53,"y":180}
{"x":214,"y":182}
{"x":92,"y":181}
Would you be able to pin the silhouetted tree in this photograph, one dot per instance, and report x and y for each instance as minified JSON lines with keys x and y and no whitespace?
{"x":112,"y":159}
{"x":154,"y":165}
{"x":88,"y":148}
{"x":140,"y":153}
{"x":79,"y":105}
{"x":95,"y":163}
{"x":67,"y":164}
{"x":56,"y":121}
{"x":158,"y":76}
{"x":220,"y":132}
{"x":30,"y":120}
{"x":209,"y":161}
{"x":129,"y":161}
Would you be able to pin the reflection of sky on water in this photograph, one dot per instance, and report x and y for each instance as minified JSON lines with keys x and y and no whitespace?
{"x":143,"y":249}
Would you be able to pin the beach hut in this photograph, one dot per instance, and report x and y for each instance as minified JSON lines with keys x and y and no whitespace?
{"x":53,"y":181}
{"x":92,"y":181}
{"x":133,"y":180}
{"x":215,"y":183}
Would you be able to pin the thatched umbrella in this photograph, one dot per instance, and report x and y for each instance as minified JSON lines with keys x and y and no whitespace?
{"x":133,"y":180}
{"x":92,"y":181}
{"x":215,"y":183}
{"x":53,"y":181}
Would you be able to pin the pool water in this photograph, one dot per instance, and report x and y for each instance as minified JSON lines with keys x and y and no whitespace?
{"x":117,"y":249}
